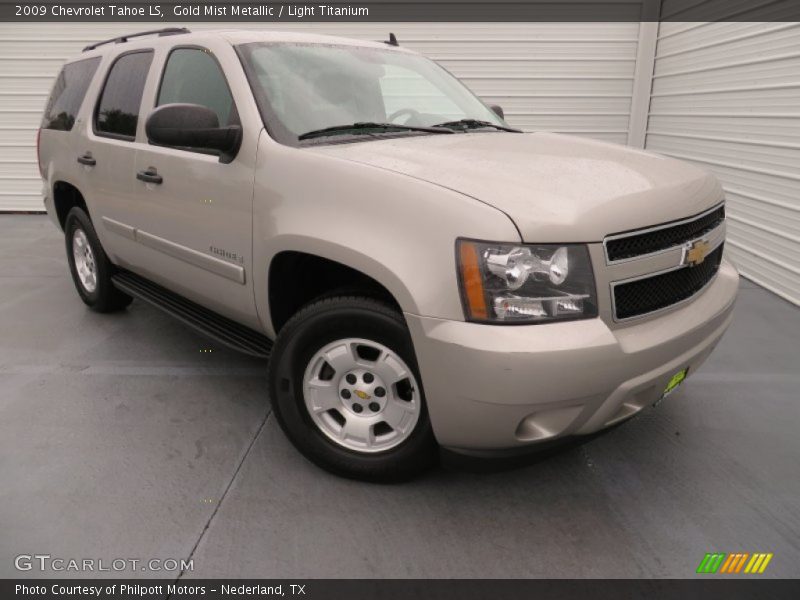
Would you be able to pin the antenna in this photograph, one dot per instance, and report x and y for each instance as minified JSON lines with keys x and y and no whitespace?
{"x":392,"y":40}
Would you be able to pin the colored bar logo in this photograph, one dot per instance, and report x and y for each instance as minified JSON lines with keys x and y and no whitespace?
{"x":737,"y":562}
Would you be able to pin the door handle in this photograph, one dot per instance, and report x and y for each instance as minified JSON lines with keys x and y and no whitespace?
{"x":87,"y":160}
{"x":149,"y":176}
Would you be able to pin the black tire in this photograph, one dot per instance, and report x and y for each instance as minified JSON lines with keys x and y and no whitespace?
{"x":322,"y":322}
{"x":104,"y":297}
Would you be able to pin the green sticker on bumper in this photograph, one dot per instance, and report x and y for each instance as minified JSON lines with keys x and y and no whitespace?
{"x":676,"y":380}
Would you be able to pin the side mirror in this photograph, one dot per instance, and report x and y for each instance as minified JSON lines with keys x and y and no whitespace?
{"x":498,"y":110}
{"x":192,"y":126}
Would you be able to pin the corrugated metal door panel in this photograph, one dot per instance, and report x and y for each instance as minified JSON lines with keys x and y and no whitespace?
{"x":711,"y":48}
{"x":761,"y":72}
{"x":776,"y":246}
{"x":727,"y":96}
{"x":24,"y":170}
{"x":28,"y":119}
{"x":567,"y":77}
{"x":741,"y":100}
{"x":765,"y":128}
{"x":762,"y":156}
{"x":677,"y":37}
{"x":766,"y":273}
{"x":721,"y":10}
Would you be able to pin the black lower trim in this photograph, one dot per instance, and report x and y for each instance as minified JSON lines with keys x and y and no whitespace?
{"x":219,"y":328}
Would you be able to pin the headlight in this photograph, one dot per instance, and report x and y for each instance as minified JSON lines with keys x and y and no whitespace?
{"x":520,"y":283}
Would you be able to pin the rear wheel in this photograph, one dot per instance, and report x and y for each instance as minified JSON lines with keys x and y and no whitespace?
{"x":346,"y":390}
{"x":91,"y":270}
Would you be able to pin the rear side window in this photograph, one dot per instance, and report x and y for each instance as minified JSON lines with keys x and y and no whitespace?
{"x":193,"y":76}
{"x":68,"y":93}
{"x":118,"y":110}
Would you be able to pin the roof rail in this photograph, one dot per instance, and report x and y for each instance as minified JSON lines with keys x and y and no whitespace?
{"x":125,"y":38}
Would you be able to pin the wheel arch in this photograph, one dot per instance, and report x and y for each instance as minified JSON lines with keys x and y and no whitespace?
{"x":67,"y":196}
{"x":296,"y":277}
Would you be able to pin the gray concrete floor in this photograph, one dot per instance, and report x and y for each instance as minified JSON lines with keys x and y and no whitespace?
{"x":119,"y":438}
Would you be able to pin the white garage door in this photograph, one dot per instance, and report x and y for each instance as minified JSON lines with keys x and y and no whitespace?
{"x":564,"y":77}
{"x":727,"y":96}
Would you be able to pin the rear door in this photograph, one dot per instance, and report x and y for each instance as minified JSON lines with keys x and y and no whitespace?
{"x":194,"y":208}
{"x":107,"y":152}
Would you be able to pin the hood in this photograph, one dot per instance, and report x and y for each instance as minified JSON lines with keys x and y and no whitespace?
{"x":556,"y":188}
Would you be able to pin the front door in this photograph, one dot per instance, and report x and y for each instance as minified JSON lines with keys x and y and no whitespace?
{"x":195,"y":222}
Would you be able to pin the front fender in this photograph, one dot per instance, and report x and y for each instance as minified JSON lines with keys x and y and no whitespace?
{"x":397,"y":229}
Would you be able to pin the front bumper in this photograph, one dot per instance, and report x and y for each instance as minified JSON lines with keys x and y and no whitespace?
{"x":503,"y":387}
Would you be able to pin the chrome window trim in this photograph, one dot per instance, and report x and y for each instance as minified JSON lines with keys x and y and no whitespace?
{"x":612,"y":286}
{"x":627,"y":234}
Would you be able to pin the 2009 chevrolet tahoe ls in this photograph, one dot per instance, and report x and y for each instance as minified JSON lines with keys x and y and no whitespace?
{"x":419,"y":273}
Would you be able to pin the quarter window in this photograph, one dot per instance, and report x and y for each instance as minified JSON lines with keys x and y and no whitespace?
{"x":68,"y":93}
{"x":118,"y":110}
{"x":192,"y":76}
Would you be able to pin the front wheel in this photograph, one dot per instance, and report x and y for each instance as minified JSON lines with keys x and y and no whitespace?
{"x":346,"y":390}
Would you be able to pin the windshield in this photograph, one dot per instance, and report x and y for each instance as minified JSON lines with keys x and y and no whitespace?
{"x":302,"y":88}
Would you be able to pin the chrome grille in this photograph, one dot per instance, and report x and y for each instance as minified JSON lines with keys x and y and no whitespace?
{"x":655,"y":268}
{"x":650,"y":294}
{"x":626,"y":246}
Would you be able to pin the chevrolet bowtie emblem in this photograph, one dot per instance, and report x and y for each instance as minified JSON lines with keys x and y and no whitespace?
{"x":696,"y":253}
{"x":362,"y":395}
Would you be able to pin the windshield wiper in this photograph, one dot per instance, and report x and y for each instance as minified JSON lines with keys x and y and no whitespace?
{"x":364,"y":126}
{"x":465,"y":124}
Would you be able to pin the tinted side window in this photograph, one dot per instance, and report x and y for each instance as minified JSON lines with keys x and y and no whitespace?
{"x":192,"y":76}
{"x":118,"y":109}
{"x":68,"y":93}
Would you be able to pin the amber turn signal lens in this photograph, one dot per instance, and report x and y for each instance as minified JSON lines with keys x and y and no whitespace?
{"x":471,"y":280}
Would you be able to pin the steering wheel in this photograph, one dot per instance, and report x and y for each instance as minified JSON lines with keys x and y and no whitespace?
{"x":412,"y":113}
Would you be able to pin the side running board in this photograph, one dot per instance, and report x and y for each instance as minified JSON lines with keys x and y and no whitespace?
{"x":219,"y":328}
